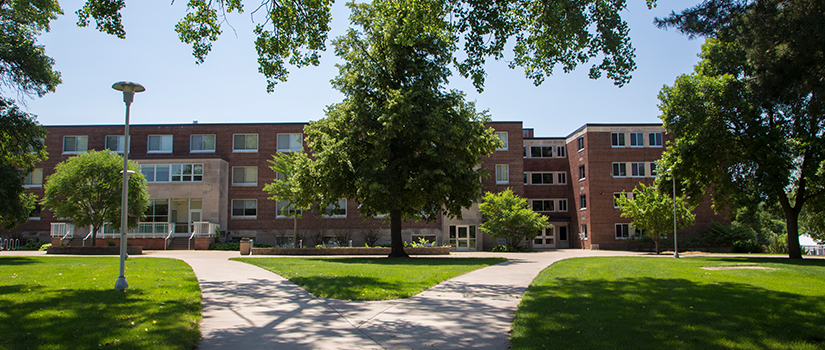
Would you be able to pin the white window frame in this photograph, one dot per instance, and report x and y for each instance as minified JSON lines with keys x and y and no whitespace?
{"x":29,"y":180}
{"x":637,"y":139}
{"x":655,"y":139}
{"x":543,"y":202}
{"x":77,"y":149}
{"x":242,"y":182}
{"x":202,"y":143}
{"x":625,"y":234}
{"x":561,"y":203}
{"x":541,"y":152}
{"x":502,"y":173}
{"x":582,"y":172}
{"x":502,"y":135}
{"x":289,"y":142}
{"x":542,"y":176}
{"x":561,"y":151}
{"x":637,"y":169}
{"x":582,"y":202}
{"x":183,"y":174}
{"x":162,"y":149}
{"x":121,"y":142}
{"x":561,"y":178}
{"x":619,"y":169}
{"x":246,"y":141}
{"x":580,"y":143}
{"x":617,"y":139}
{"x":329,"y":210}
{"x":653,"y":170}
{"x":285,"y":204}
{"x":244,"y":215}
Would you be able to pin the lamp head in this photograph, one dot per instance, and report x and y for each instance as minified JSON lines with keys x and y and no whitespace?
{"x":129,"y":89}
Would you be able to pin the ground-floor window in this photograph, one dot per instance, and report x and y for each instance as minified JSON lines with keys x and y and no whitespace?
{"x":244,"y":208}
{"x":622,"y":231}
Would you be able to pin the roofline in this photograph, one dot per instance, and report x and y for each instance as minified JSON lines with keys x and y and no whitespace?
{"x":610,"y":124}
{"x":175,"y":124}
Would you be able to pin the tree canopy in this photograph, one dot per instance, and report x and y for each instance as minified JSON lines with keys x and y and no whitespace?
{"x":543,"y":34}
{"x":749,"y":123}
{"x":509,"y":217}
{"x":652,"y":212}
{"x":399,"y":143}
{"x":21,"y":147}
{"x":87,"y":189}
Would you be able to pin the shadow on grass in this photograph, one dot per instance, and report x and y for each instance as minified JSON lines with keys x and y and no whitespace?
{"x":653,"y":313}
{"x":88,"y":319}
{"x":410,"y":261}
{"x":13,"y":260}
{"x":783,"y":261}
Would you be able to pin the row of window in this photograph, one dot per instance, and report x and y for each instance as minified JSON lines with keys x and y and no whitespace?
{"x":637,"y":169}
{"x":550,"y":178}
{"x":198,"y":143}
{"x":545,"y":152}
{"x":248,"y":209}
{"x":160,"y":173}
{"x":552,"y":205}
{"x":637,"y":139}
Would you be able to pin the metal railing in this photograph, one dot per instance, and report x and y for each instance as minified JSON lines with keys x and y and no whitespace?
{"x":202,"y":229}
{"x":144,"y":230}
{"x":63,"y":230}
{"x":168,"y":240}
{"x":10,"y":244}
{"x":87,"y":237}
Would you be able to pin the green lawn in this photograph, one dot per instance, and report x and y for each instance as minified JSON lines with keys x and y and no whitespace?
{"x":665,"y":303}
{"x":70,"y":303}
{"x":369,"y":278}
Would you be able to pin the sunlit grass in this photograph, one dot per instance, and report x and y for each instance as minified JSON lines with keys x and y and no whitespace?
{"x":664,"y":303}
{"x":70,"y":303}
{"x":369,"y":278}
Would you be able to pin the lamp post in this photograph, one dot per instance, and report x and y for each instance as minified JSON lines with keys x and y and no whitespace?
{"x":675,"y":241}
{"x":129,"y":89}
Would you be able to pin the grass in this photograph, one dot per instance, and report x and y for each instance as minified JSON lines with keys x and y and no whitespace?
{"x":369,"y":278}
{"x":661,"y":303}
{"x":70,"y":303}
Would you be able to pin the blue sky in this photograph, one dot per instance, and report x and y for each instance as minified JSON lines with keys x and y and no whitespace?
{"x":228,"y":88}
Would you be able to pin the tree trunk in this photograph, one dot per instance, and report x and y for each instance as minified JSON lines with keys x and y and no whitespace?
{"x":656,"y":243}
{"x":295,"y":230}
{"x":792,"y":224}
{"x":94,"y":235}
{"x":396,"y":241}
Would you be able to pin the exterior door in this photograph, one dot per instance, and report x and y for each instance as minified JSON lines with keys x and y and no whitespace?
{"x":546,"y":239}
{"x":194,"y":216}
{"x":463,"y":237}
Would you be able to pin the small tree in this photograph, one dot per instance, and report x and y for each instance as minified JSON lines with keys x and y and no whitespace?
{"x":87,"y":189}
{"x":508,"y":216}
{"x":652,"y":212}
{"x":284,"y":189}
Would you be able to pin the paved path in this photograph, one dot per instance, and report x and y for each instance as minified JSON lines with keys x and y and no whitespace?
{"x":246,"y":307}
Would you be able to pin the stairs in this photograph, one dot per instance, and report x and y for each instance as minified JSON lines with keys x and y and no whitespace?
{"x":179,"y":243}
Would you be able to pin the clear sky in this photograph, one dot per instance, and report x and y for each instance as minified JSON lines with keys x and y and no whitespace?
{"x":227,"y":88}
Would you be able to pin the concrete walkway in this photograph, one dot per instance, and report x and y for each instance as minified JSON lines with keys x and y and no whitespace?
{"x":246,"y":307}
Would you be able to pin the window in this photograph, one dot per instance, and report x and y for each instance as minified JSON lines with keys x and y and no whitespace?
{"x":34,"y":178}
{"x":562,"y":205}
{"x":560,"y":151}
{"x":637,"y":139}
{"x":562,"y":177}
{"x":160,"y":144}
{"x":637,"y":169}
{"x":245,"y":143}
{"x":337,"y":210}
{"x":502,"y":173}
{"x":541,"y":152}
{"x":502,"y":135}
{"x":655,"y":139}
{"x":187,"y":172}
{"x":158,"y":211}
{"x":622,"y":231}
{"x":617,"y":139}
{"x":583,"y":232}
{"x":245,"y":208}
{"x":582,"y":202}
{"x":541,"y":178}
{"x":653,"y":169}
{"x":155,"y":173}
{"x":202,"y":143}
{"x":245,"y":175}
{"x":580,"y":142}
{"x":289,"y":143}
{"x":35,"y":213}
{"x":525,"y":178}
{"x":75,"y":144}
{"x":285,"y":209}
{"x":525,"y":151}
{"x":581,"y":172}
{"x":616,"y":197}
{"x":543,"y":205}
{"x":619,"y":169}
{"x":116,"y":143}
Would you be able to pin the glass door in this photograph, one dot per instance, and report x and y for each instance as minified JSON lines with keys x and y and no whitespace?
{"x":545,"y":239}
{"x":463,"y":237}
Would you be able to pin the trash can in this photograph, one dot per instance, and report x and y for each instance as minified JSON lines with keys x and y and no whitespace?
{"x":246,"y":246}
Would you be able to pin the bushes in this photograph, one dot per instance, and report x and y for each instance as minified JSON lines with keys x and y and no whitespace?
{"x":235,"y":246}
{"x":32,"y":245}
{"x":507,"y":249}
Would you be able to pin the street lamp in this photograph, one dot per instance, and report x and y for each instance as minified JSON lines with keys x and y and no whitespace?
{"x":129,"y":89}
{"x":675,"y":243}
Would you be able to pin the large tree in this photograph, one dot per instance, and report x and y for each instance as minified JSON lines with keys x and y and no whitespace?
{"x":87,"y":189}
{"x":509,"y":217}
{"x":749,"y":123}
{"x":399,"y":143}
{"x":542,"y":34}
{"x":21,"y":147}
{"x":652,"y":212}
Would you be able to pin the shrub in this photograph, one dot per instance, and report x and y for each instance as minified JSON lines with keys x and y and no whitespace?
{"x":45,"y":247}
{"x":235,"y":246}
{"x":508,"y":249}
{"x":32,"y":245}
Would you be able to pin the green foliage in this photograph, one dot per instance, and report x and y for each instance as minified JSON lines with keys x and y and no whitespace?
{"x":509,"y":217}
{"x":653,"y":212}
{"x":24,"y":67}
{"x":21,"y":147}
{"x":369,"y":278}
{"x":235,"y":246}
{"x":758,"y":95}
{"x":650,"y":303}
{"x":509,"y":249}
{"x":33,"y":245}
{"x":421,"y":243}
{"x":44,"y":247}
{"x":87,"y":188}
{"x":69,"y":303}
{"x":813,"y":217}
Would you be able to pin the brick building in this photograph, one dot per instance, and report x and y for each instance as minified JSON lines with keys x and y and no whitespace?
{"x":207,"y":176}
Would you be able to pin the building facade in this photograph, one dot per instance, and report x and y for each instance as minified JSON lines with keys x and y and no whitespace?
{"x":215,"y":173}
